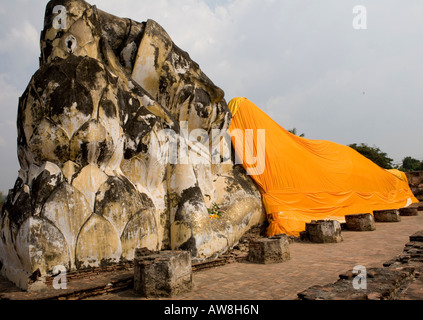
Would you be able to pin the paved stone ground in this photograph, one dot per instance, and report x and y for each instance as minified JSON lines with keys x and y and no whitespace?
{"x":310,"y":264}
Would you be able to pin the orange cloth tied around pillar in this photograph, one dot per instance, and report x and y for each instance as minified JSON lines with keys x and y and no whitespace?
{"x":303,"y":180}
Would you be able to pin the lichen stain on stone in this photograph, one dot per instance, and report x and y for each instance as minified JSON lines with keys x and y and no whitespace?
{"x":140,"y":232}
{"x":68,"y":209}
{"x":40,"y":245}
{"x":98,"y":240}
{"x":92,"y":187}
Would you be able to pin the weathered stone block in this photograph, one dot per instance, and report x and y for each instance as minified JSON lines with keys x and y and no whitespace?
{"x":408,"y":212}
{"x":269,"y":250}
{"x":92,"y":185}
{"x":304,"y":236}
{"x":387,"y":216}
{"x":324,"y":231}
{"x":417,"y":237}
{"x":382,"y":284}
{"x":162,"y":274}
{"x":360,"y":222}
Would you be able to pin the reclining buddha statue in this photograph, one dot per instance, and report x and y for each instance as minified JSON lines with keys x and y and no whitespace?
{"x":121,"y":145}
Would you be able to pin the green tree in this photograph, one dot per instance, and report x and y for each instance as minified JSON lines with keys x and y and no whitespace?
{"x":294,"y":131}
{"x":410,"y":164}
{"x":374,"y":154}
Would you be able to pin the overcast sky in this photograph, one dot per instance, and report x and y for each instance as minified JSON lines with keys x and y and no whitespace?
{"x":301,"y":61}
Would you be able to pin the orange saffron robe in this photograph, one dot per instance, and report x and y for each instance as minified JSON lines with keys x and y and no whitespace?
{"x":303,"y":180}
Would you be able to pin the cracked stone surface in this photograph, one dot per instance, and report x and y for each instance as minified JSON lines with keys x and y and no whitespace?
{"x":93,"y":184}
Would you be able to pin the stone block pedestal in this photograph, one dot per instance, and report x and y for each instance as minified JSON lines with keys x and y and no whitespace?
{"x":322,"y":231}
{"x":162,"y":274}
{"x":387,"y":216}
{"x":408,"y":212}
{"x":269,"y":250}
{"x":360,"y":222}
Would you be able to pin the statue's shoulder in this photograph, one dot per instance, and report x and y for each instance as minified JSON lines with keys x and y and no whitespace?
{"x":156,"y":31}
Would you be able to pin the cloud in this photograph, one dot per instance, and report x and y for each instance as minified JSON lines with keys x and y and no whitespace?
{"x":23,"y":37}
{"x":300,"y":61}
{"x":2,"y":142}
{"x":9,"y":95}
{"x":8,"y":134}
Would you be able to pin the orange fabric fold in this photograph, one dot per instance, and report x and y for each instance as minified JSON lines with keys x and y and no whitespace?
{"x":303,"y":180}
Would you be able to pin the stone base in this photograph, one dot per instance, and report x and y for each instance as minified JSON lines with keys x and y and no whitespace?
{"x":408,"y":212}
{"x":387,"y":216}
{"x":420,"y":208}
{"x":322,"y":231}
{"x":269,"y":250}
{"x":162,"y":274}
{"x":360,"y":222}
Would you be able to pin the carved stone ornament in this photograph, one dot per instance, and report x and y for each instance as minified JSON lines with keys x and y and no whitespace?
{"x":114,"y":137}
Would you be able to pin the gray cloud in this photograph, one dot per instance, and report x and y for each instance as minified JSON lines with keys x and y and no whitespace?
{"x":300,"y":61}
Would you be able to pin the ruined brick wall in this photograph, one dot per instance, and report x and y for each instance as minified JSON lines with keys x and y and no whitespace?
{"x":388,"y":283}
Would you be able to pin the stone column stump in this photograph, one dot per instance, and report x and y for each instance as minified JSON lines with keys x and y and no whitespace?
{"x":323,"y":231}
{"x":162,"y":274}
{"x":360,"y":222}
{"x":269,"y":250}
{"x":387,"y":216}
{"x":408,"y":212}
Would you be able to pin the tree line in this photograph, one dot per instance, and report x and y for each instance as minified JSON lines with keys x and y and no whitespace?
{"x":409,"y":164}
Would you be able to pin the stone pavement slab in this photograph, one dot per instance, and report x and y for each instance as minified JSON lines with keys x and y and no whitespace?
{"x":310,"y":264}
